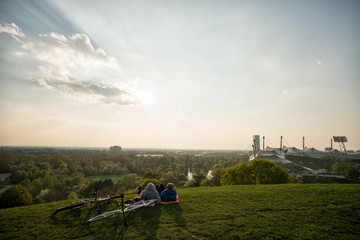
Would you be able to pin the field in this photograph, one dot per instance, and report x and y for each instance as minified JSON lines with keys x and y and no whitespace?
{"x":291,"y":211}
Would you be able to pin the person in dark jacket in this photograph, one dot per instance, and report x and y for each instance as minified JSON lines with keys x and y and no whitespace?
{"x":160,"y":188}
{"x":169,"y":194}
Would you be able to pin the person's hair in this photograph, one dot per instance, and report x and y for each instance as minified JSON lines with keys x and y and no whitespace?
{"x":170,"y":186}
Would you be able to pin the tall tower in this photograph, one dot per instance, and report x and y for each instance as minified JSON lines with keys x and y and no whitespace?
{"x":256,"y":140}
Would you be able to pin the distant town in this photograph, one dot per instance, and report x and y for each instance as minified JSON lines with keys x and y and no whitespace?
{"x":113,"y":149}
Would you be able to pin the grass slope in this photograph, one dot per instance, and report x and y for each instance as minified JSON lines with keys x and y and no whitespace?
{"x":314,"y":211}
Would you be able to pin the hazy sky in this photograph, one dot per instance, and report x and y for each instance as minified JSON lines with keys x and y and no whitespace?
{"x":179,"y":74}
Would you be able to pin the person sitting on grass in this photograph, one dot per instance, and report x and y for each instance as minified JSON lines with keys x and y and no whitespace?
{"x":150,"y":193}
{"x":169,"y":194}
{"x":160,"y":188}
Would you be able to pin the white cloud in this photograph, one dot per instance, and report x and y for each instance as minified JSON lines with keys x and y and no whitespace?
{"x":72,"y":66}
{"x":56,"y":49}
{"x":11,"y":29}
{"x":19,"y":53}
{"x":318,"y":62}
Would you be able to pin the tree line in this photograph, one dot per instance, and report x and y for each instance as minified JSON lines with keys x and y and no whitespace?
{"x":53,"y":177}
{"x":42,"y":178}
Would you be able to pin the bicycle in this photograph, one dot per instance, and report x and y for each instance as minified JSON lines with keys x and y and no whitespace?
{"x":88,"y":202}
{"x":129,"y":208}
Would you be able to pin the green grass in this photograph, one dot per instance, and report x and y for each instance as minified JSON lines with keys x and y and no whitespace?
{"x":293,"y":211}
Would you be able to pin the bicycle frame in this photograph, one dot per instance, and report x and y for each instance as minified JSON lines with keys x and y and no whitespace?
{"x":129,"y":208}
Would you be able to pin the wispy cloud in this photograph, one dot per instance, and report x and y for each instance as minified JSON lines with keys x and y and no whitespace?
{"x":72,"y":66}
{"x":105,"y":93}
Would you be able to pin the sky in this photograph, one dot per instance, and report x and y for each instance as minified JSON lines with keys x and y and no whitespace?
{"x":179,"y":74}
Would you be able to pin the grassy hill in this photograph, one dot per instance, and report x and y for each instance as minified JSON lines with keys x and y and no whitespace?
{"x":294,"y":211}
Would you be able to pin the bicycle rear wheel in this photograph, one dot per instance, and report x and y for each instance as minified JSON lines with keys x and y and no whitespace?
{"x":76,"y":205}
{"x":116,"y":196}
{"x":104,"y":216}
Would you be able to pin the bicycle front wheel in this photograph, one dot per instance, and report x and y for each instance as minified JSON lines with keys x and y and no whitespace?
{"x":104,"y":216}
{"x":144,"y":203}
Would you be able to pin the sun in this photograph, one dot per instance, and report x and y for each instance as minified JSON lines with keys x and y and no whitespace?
{"x":145,"y":98}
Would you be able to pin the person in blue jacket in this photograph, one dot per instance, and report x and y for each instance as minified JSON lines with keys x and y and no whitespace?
{"x":169,"y":194}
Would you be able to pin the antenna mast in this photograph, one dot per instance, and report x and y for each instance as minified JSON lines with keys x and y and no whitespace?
{"x":263,"y":143}
{"x":254,"y":147}
{"x":331,"y":145}
{"x":303,"y":143}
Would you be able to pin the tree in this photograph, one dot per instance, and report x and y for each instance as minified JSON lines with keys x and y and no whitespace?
{"x":130,"y":180}
{"x":357,"y":166}
{"x":150,"y":174}
{"x":48,"y":182}
{"x":35,"y":186}
{"x":170,"y":177}
{"x":267,"y":172}
{"x":195,"y":168}
{"x":239,"y":174}
{"x":19,"y":176}
{"x":15,"y":196}
{"x":339,"y":167}
{"x":77,"y":180}
{"x":214,"y":177}
{"x":146,"y":181}
{"x":258,"y":171}
{"x":180,"y":169}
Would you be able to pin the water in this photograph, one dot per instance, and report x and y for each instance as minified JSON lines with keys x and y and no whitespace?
{"x":190,"y":175}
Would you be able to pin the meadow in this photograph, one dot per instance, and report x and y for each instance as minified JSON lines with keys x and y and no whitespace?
{"x":286,"y":211}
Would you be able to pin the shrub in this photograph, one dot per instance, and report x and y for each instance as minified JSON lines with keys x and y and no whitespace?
{"x":146,"y":181}
{"x":258,"y":171}
{"x":239,"y":174}
{"x":51,"y":195}
{"x":352,"y":172}
{"x":190,"y":183}
{"x":72,"y":195}
{"x":15,"y":196}
{"x":38,"y":200}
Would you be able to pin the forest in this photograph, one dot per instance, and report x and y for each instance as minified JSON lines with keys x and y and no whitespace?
{"x":53,"y":177}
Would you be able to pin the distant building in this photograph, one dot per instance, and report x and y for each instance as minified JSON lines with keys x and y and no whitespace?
{"x":115,"y":149}
{"x":256,"y":141}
